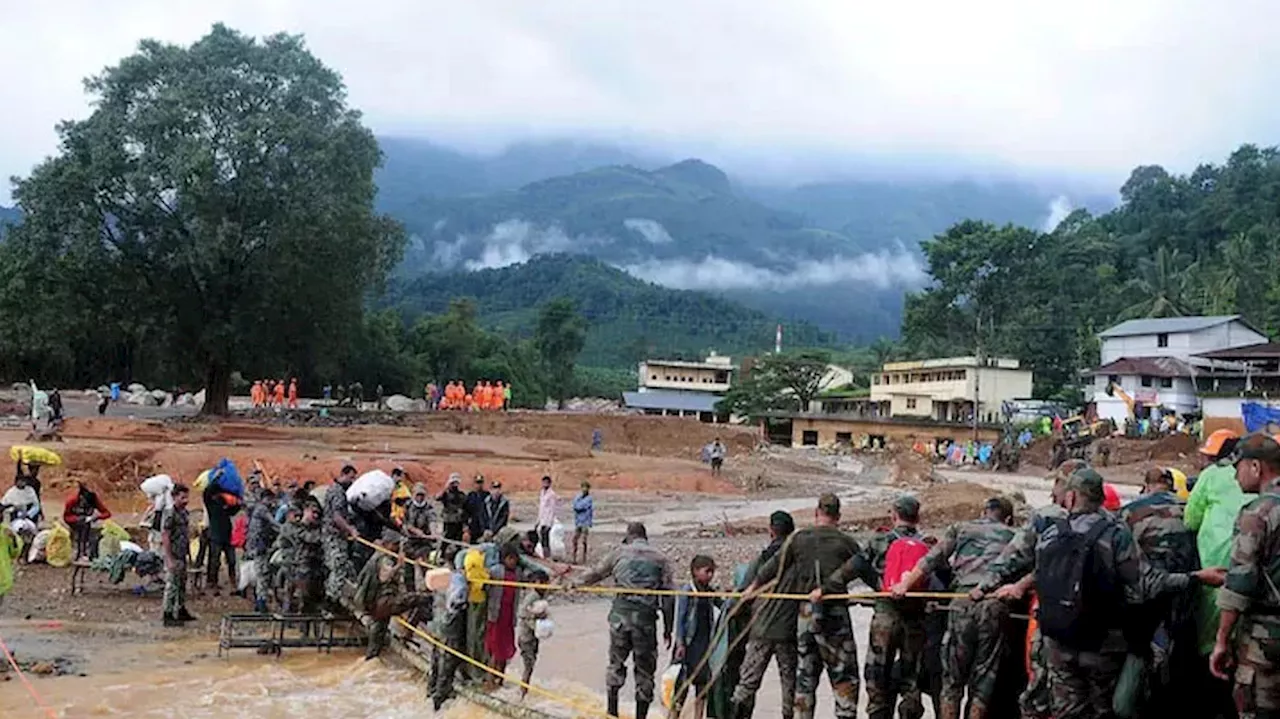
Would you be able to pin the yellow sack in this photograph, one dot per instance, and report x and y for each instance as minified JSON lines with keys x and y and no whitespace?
{"x":34,"y":455}
{"x":109,"y":545}
{"x":669,"y":679}
{"x":1180,"y":484}
{"x":111,"y":529}
{"x":202,"y":481}
{"x":58,"y":551}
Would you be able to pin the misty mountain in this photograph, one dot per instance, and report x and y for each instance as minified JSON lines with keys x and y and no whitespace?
{"x":629,"y":319}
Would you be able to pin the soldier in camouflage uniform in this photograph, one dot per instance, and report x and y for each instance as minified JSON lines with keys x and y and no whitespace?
{"x":973,"y":646}
{"x":633,"y":619}
{"x":175,"y":530}
{"x":772,"y":634}
{"x":262,"y":533}
{"x":1250,"y":600}
{"x":307,"y":572}
{"x":338,"y":533}
{"x":819,"y":560}
{"x":1010,"y":577}
{"x":895,"y":643}
{"x":1168,"y":544}
{"x":1083,"y":681}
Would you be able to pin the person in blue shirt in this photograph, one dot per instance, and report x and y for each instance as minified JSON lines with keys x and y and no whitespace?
{"x":583,"y":517}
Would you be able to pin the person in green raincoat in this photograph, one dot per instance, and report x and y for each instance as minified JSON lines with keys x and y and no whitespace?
{"x":1211,"y":512}
{"x":10,"y":550}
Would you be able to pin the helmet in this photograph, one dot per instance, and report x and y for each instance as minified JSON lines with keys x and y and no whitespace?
{"x":1213,"y":446}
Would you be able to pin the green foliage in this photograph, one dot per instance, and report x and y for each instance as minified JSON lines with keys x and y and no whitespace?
{"x":787,"y":381}
{"x":606,"y":382}
{"x":214,"y":211}
{"x":559,"y":337}
{"x":1203,"y":243}
{"x":629,"y":320}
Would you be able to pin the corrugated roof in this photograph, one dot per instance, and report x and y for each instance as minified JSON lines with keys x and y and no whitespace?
{"x":1149,"y":366}
{"x":1167,"y":325}
{"x":671,"y":399}
{"x":1263,"y":350}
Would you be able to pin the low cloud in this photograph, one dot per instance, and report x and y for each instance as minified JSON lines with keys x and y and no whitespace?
{"x":508,"y":243}
{"x":883,"y":270}
{"x":651,"y":230}
{"x":1059,"y":208}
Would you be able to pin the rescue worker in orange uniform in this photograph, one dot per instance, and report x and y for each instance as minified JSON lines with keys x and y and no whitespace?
{"x":280,"y":393}
{"x":293,"y":393}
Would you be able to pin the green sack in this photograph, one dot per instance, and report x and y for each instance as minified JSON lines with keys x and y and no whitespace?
{"x":1131,"y":690}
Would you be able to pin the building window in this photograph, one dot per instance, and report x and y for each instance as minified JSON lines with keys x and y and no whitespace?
{"x":1113,"y":379}
{"x":809,"y":438}
{"x":1166,"y":382}
{"x":1146,"y":380}
{"x":911,"y":403}
{"x":653,"y":377}
{"x":844,"y":437}
{"x":1162,"y":340}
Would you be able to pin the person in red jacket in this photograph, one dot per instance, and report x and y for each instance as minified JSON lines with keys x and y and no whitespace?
{"x":82,"y":509}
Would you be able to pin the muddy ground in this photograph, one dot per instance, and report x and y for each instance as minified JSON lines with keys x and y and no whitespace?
{"x":648,"y":471}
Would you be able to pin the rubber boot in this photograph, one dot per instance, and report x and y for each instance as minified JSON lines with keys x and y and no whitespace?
{"x":642,"y":709}
{"x":613,"y":703}
{"x":260,"y":606}
{"x":184,"y":616}
{"x":170,"y":620}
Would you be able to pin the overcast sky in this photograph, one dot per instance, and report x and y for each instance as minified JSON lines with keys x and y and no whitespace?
{"x":1092,"y":87}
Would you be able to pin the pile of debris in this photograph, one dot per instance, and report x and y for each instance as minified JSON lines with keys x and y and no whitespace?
{"x":138,"y":394}
{"x":590,"y":405}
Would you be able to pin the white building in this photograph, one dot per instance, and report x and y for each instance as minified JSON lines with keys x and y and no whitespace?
{"x":681,"y":388}
{"x":944,"y":389}
{"x":1156,"y":362}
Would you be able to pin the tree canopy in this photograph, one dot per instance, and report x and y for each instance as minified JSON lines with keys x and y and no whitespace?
{"x":214,"y":211}
{"x":1203,"y":243}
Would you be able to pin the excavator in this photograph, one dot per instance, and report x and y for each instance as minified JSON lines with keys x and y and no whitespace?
{"x":1114,"y":390}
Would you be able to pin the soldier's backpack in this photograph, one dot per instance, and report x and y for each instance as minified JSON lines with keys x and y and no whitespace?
{"x":903,"y":554}
{"x":1079,"y":603}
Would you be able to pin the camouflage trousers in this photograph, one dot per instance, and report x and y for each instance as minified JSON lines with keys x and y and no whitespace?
{"x":1257,"y":679}
{"x":754,"y":664}
{"x":1035,"y":702}
{"x":826,"y":643}
{"x":972,"y":650}
{"x":452,"y":631}
{"x":175,"y":589}
{"x":895,"y":650}
{"x":1081,"y":684}
{"x":633,"y":633}
{"x":337,"y":561}
{"x":528,"y":647}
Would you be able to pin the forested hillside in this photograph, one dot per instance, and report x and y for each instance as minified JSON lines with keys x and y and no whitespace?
{"x":628,"y":319}
{"x":1207,"y":242}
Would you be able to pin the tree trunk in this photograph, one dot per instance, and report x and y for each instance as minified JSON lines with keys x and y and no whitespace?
{"x":217,"y":389}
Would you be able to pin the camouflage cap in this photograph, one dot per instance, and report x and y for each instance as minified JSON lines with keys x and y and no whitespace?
{"x":1087,"y":482}
{"x":907,"y":507}
{"x":1258,"y":446}
{"x":829,"y":504}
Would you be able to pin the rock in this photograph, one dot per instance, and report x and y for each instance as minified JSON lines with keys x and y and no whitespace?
{"x":136,"y":388}
{"x":103,"y":389}
{"x":144,"y":398}
{"x":199,"y":399}
{"x":185,"y":400}
{"x":42,"y":668}
{"x":161,"y":397}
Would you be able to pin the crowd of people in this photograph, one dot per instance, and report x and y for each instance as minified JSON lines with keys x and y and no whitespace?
{"x":485,"y":396}
{"x":271,"y":393}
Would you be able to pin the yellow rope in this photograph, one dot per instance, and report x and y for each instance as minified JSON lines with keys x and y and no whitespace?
{"x":666,"y":592}
{"x":531,"y":688}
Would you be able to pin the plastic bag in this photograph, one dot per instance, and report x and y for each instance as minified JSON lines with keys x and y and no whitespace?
{"x":226,"y":477}
{"x":38,"y":546}
{"x":157,"y":485}
{"x":1131,"y":689}
{"x":247,"y":575}
{"x":202,"y":481}
{"x":557,"y":540}
{"x":669,"y":679}
{"x":371,"y":489}
{"x":58,"y":551}
{"x":544,"y":628}
{"x":34,"y":455}
{"x":111,"y":529}
{"x":127,"y":546}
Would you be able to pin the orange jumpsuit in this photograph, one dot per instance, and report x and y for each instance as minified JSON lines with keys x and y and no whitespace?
{"x":293,"y":394}
{"x":280,"y":393}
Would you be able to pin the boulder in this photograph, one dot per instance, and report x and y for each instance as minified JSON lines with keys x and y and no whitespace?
{"x":136,"y":388}
{"x":400,"y":403}
{"x":146,"y":399}
{"x":186,"y":399}
{"x":199,"y":399}
{"x":161,"y":397}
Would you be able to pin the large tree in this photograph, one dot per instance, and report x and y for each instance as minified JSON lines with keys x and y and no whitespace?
{"x":559,"y":337}
{"x":227,"y":190}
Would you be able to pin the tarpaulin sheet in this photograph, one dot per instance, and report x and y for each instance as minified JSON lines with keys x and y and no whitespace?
{"x":1258,"y":416}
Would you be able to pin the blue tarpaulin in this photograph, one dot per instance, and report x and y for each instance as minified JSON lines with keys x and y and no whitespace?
{"x":1258,"y":416}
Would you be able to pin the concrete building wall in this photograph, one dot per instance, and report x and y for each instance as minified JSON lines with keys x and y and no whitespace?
{"x":826,"y":432}
{"x":657,"y":375}
{"x":1180,"y":344}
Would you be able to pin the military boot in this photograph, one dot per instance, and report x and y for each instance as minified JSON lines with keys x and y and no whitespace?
{"x":613,"y":703}
{"x":642,"y":709}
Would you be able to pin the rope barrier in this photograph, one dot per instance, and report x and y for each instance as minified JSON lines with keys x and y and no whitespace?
{"x":531,"y":688}
{"x":850,"y":596}
{"x":26,"y":682}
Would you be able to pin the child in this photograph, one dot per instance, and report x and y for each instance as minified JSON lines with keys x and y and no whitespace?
{"x":695,"y":621}
{"x":533,"y":608}
{"x":583,"y":518}
{"x":500,"y":636}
